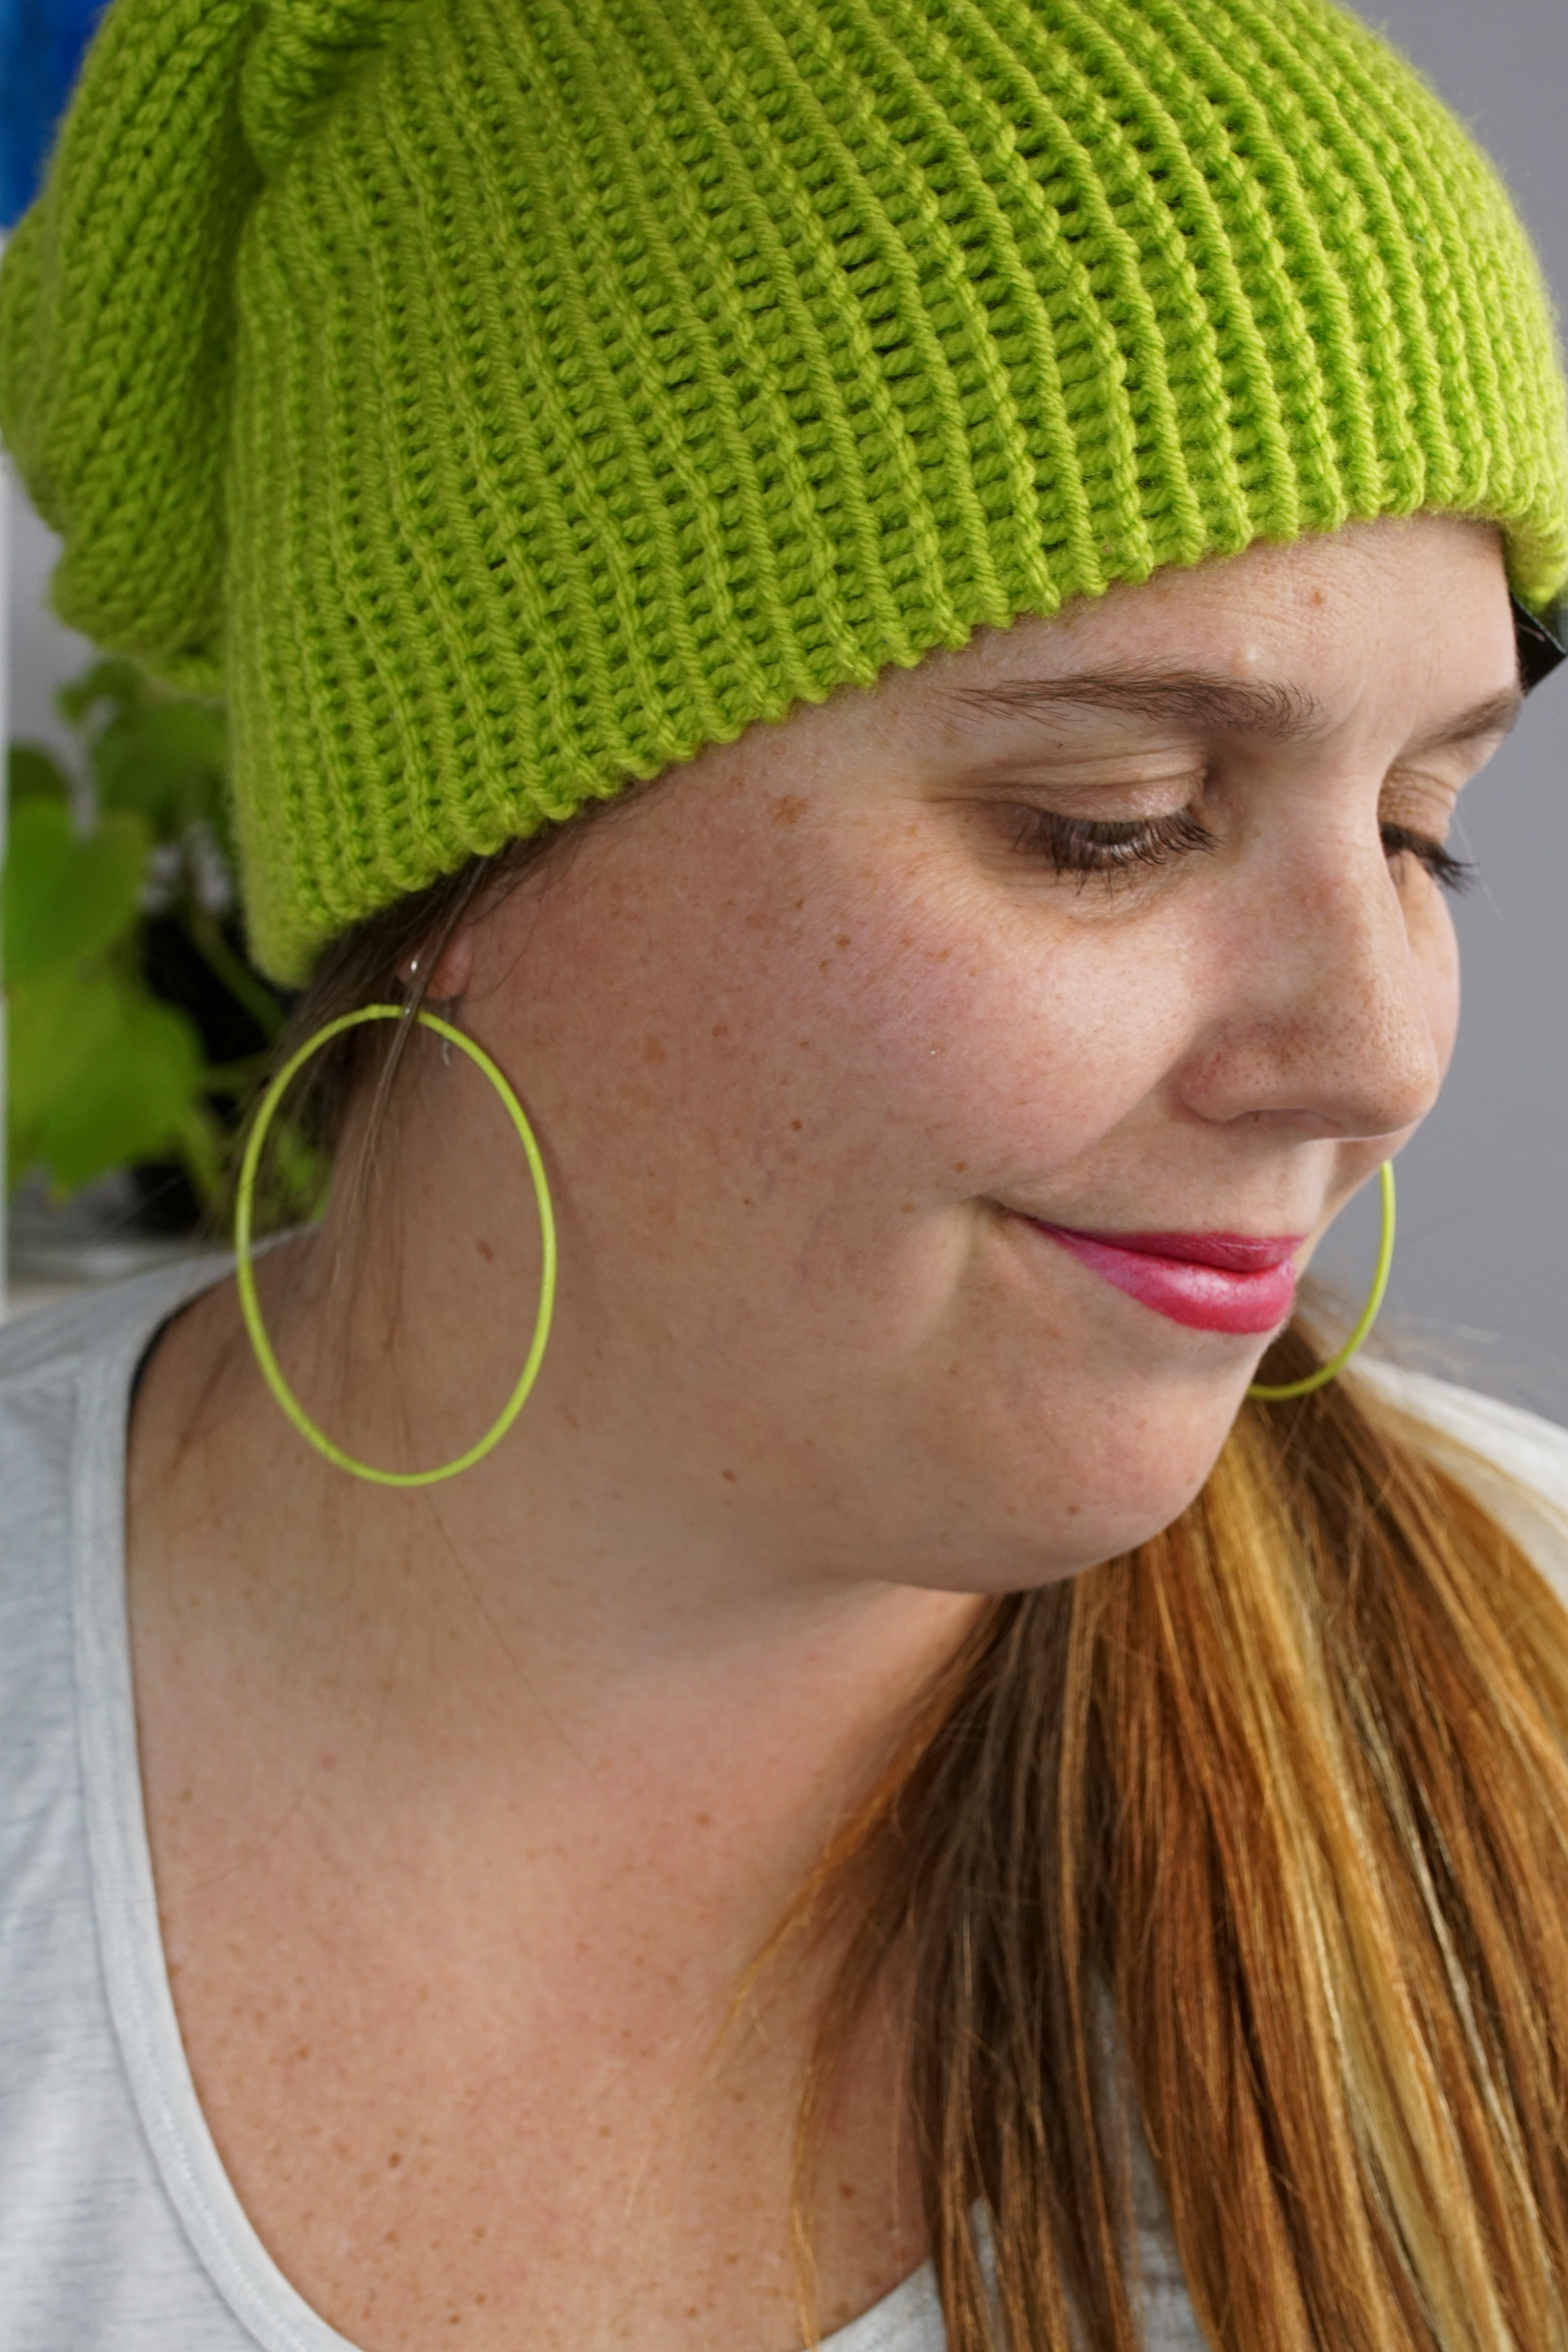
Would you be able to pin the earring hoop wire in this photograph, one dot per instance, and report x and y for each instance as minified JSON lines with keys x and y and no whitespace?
{"x":244,"y":1271}
{"x":1336,"y":1363}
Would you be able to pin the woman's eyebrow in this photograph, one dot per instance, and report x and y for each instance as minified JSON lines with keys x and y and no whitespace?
{"x":1185,"y":697}
{"x":1496,"y":717}
{"x":1266,"y":707}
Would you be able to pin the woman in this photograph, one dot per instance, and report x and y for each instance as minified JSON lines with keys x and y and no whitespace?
{"x":886,"y":607}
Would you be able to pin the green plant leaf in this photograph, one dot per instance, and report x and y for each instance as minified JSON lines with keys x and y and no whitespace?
{"x":36,"y":775}
{"x":167,"y":760}
{"x":160,"y":754}
{"x":65,"y":897}
{"x":100,"y":1074}
{"x":204,"y":1149}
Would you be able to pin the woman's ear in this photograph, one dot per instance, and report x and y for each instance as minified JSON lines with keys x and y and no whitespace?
{"x":449,"y":977}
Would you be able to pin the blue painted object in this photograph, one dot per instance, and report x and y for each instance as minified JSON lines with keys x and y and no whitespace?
{"x":41,"y":44}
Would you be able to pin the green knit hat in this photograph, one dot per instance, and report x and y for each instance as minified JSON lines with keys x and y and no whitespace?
{"x":497,"y":400}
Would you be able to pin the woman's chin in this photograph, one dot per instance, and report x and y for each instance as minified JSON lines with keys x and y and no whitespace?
{"x":1002,"y":1490}
{"x":1017,"y":1538}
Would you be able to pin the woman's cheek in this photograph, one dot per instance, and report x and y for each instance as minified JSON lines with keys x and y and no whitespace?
{"x":1001,"y":1061}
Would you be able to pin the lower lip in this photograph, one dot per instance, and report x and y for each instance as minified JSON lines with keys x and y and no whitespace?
{"x":1203,"y":1297}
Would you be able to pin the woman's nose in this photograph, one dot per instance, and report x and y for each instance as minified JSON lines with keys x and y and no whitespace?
{"x":1324,"y":1004}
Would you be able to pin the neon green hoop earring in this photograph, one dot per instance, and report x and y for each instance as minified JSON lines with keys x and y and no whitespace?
{"x":246,"y":1274}
{"x":1336,"y":1364}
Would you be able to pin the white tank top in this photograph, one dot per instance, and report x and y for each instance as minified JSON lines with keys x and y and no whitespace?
{"x":119,"y":2229}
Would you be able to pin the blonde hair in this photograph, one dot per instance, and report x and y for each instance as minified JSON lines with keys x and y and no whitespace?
{"x":1285,"y":1793}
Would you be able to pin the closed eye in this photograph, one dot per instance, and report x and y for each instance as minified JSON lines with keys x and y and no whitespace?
{"x":1086,"y":846}
{"x":1402,"y":841}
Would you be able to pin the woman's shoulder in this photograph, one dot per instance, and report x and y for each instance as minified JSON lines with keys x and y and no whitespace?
{"x":44,"y":1350}
{"x":94,"y":2250}
{"x":46,"y":1354}
{"x":66,"y":1378}
{"x":1514,"y":1461}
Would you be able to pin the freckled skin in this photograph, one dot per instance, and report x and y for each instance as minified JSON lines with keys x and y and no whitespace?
{"x":802,"y":1030}
{"x":872,"y":1021}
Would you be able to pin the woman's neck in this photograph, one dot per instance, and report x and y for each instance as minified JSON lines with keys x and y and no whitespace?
{"x":469,"y":1817}
{"x":558,"y":1637}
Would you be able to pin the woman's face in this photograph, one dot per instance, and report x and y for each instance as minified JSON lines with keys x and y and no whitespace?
{"x":1123,"y":925}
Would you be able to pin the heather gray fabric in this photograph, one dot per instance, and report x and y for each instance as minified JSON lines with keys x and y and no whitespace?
{"x":119,"y":2229}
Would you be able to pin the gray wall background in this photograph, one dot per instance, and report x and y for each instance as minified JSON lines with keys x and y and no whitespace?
{"x":1480,"y":1275}
{"x":1480,"y":1281}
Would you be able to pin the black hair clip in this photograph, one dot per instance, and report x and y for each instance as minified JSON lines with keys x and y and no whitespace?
{"x":1542,"y":642}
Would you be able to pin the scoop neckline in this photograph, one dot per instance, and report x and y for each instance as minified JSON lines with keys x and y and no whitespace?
{"x":131,"y":1944}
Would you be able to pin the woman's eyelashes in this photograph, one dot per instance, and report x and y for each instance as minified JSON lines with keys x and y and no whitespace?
{"x":1404,"y":841}
{"x":1088,"y":845}
{"x":1110,"y":848}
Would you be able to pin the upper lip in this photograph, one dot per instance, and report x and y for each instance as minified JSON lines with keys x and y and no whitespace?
{"x":1232,"y":1253}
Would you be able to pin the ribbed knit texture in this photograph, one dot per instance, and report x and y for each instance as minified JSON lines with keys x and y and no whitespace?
{"x":501,"y":399}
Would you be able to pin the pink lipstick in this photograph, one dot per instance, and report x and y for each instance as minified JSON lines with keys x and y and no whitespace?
{"x":1210,"y":1281}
